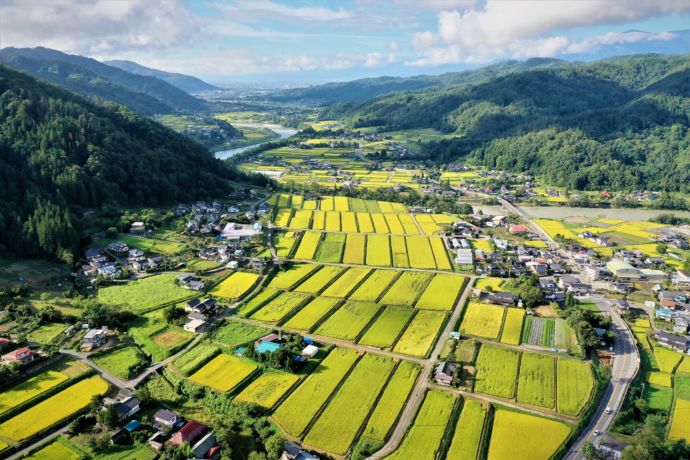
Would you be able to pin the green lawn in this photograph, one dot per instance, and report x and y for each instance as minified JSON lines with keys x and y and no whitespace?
{"x":121,"y":361}
{"x":144,"y":294}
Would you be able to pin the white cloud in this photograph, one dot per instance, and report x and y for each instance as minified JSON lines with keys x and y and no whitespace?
{"x":522,"y":28}
{"x":86,"y":26}
{"x":258,"y":9}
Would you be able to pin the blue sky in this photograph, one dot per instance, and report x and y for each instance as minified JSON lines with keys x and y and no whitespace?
{"x":299,"y":41}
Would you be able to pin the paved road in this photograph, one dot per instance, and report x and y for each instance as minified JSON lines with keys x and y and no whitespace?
{"x":422,"y":384}
{"x":626,"y":361}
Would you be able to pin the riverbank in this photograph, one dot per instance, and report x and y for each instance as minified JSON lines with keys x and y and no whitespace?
{"x":282,"y":132}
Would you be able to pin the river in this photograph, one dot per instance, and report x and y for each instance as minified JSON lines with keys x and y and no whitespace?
{"x":281,"y":131}
{"x":558,"y":212}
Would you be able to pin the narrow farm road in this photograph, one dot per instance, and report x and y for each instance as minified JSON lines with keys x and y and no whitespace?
{"x":415,"y":400}
{"x":83,"y":357}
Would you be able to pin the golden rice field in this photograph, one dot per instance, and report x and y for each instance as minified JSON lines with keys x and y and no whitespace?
{"x":441,"y":293}
{"x":513,"y":436}
{"x":406,"y":289}
{"x":482,"y":320}
{"x":370,"y":290}
{"x":512,"y":326}
{"x":53,"y":410}
{"x":285,"y":279}
{"x":267,"y":390}
{"x":421,"y":333}
{"x":307,"y":247}
{"x":489,"y":284}
{"x":223,"y":373}
{"x":680,"y":429}
{"x":355,"y":249}
{"x":29,"y":389}
{"x":236,"y":285}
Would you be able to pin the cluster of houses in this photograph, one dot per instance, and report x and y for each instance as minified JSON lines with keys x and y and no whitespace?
{"x":108,"y":262}
{"x":171,"y":428}
{"x":207,"y":220}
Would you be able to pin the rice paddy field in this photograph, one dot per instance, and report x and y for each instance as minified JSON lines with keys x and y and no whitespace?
{"x":308,"y":316}
{"x":372,"y":288}
{"x":442,"y":293}
{"x":420,"y":334}
{"x":331,"y":248}
{"x":497,"y":371}
{"x":295,"y":413}
{"x":278,"y":308}
{"x":194,"y":359}
{"x":392,"y":401}
{"x":513,"y":436}
{"x":319,"y":280}
{"x":308,"y":246}
{"x":337,"y":426}
{"x":468,"y":431}
{"x":482,"y":320}
{"x":267,"y":389}
{"x":29,"y":389}
{"x":679,"y":421}
{"x":512,"y":326}
{"x":53,"y":410}
{"x":144,"y":294}
{"x":236,"y":285}
{"x":423,"y":440}
{"x":385,"y":330}
{"x":406,"y":289}
{"x":575,"y":385}
{"x":234,"y":333}
{"x":344,"y":285}
{"x":223,"y":373}
{"x":537,"y":380}
{"x":285,"y":279}
{"x":348,"y":321}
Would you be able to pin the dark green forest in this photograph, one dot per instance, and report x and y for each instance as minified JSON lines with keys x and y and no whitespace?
{"x":99,"y":82}
{"x":61,"y":155}
{"x":620,"y":123}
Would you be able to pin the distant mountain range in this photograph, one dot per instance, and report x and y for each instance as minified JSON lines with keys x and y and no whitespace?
{"x":368,"y":88}
{"x":186,"y":83}
{"x":99,"y":82}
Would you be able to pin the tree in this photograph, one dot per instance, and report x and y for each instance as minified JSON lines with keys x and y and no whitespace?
{"x":589,"y":451}
{"x":108,"y":416}
{"x":662,"y":248}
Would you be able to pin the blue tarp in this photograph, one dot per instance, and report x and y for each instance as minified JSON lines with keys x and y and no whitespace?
{"x":267,"y":347}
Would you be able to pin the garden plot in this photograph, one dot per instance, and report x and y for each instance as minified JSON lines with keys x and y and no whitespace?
{"x":339,"y":423}
{"x":548,"y":333}
{"x":295,"y":413}
{"x":387,"y":327}
{"x":513,"y":436}
{"x":157,"y":337}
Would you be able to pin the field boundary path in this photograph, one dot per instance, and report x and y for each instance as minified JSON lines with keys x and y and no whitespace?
{"x":415,"y":399}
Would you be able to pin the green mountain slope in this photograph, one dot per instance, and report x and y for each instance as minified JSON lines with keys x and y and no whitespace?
{"x":367,"y":88}
{"x":186,"y":83}
{"x":100,"y":82}
{"x":621,"y":123}
{"x":60,"y":153}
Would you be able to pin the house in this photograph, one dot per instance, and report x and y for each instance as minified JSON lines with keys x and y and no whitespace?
{"x":556,"y":268}
{"x":501,"y":244}
{"x":94,"y":338}
{"x":681,"y":278}
{"x":592,"y":272}
{"x":539,"y":269}
{"x":207,"y":307}
{"x":674,"y":342}
{"x":157,"y":440}
{"x":672,"y":299}
{"x":580,"y":288}
{"x":445,"y":373}
{"x":464,"y":257}
{"x":137,"y":228}
{"x":293,"y":451}
{"x":547,"y":284}
{"x":653,"y":275}
{"x":566,"y":280}
{"x":310,"y":351}
{"x":623,"y":270}
{"x":194,"y":325}
{"x":206,"y":447}
{"x":166,"y":418}
{"x":665,"y":314}
{"x":502,"y":298}
{"x":191,"y":282}
{"x":191,"y":433}
{"x":19,"y":356}
{"x":680,"y":325}
{"x":517,"y":229}
{"x":127,"y":407}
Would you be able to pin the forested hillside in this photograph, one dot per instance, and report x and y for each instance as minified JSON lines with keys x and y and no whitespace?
{"x":621,"y":123}
{"x":186,"y":83}
{"x":100,"y":82}
{"x":60,"y":154}
{"x":367,"y":88}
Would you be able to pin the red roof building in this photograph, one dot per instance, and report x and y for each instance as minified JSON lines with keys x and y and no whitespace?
{"x":190,"y":433}
{"x":517,"y":229}
{"x":19,"y":356}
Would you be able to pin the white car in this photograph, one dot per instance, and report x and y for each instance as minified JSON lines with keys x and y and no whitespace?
{"x":608,"y":410}
{"x":597,"y":432}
